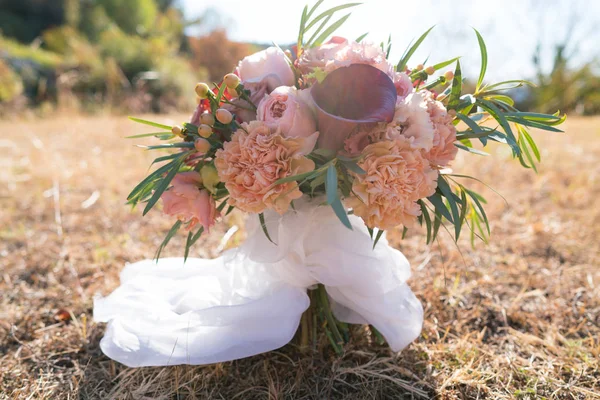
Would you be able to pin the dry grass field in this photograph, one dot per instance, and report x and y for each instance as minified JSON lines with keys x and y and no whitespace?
{"x":519,"y":318}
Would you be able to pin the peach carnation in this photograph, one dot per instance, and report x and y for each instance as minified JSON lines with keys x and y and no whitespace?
{"x":397,"y":175}
{"x":255,"y":158}
{"x":443,"y":150}
{"x":340,"y":52}
{"x":189,"y":202}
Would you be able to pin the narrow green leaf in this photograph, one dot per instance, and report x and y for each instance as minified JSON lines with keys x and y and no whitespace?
{"x":152,"y":177}
{"x":427,"y":220}
{"x":361,"y":37}
{"x":484,"y":59}
{"x":299,"y":177}
{"x":313,"y":9}
{"x":443,"y":64}
{"x":340,"y":211}
{"x":439,"y":205}
{"x":331,"y":182}
{"x":449,"y":195}
{"x":161,"y":187}
{"x":352,"y":166}
{"x":143,"y":135}
{"x":532,"y":144}
{"x":329,"y":31}
{"x":409,"y":52}
{"x":515,"y":83}
{"x":454,"y":99}
{"x":174,"y":229}
{"x":318,"y":31}
{"x":377,"y":237}
{"x":191,"y":240}
{"x":181,"y":145}
{"x":499,"y":116}
{"x":476,"y":197}
{"x":154,"y":124}
{"x":302,"y":27}
{"x":261,"y":218}
{"x":329,"y":12}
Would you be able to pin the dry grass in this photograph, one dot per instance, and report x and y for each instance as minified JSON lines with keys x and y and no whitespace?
{"x":516,"y":319}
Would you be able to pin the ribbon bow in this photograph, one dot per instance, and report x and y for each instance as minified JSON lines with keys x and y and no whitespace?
{"x":251,"y":299}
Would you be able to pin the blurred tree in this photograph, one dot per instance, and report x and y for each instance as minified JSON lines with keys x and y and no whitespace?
{"x":132,"y":16}
{"x":217,"y":54}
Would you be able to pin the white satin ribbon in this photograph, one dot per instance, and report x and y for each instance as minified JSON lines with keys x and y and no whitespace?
{"x":250,"y":300}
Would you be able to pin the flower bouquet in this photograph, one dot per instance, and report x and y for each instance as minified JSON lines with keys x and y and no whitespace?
{"x":325,"y":145}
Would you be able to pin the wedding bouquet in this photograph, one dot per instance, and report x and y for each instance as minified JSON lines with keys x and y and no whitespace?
{"x":327,"y":142}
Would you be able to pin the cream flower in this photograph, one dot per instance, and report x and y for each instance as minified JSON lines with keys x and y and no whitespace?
{"x":397,"y":175}
{"x":255,"y":158}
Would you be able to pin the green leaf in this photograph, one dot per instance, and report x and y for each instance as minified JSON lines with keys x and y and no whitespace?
{"x":191,"y":240}
{"x":319,"y":29}
{"x":476,"y":198}
{"x":331,"y":182}
{"x":329,"y":12}
{"x":329,"y":31}
{"x":361,"y":37}
{"x":313,"y":9}
{"x":484,"y":59}
{"x":410,"y":51}
{"x":303,"y":26}
{"x":499,"y":116}
{"x":427,"y":220}
{"x":154,"y":124}
{"x":454,"y":99}
{"x":377,"y":237}
{"x":181,"y":145}
{"x":221,"y":93}
{"x":515,"y":83}
{"x":299,"y":177}
{"x":143,"y":135}
{"x":439,"y":205}
{"x":352,"y":166}
{"x":340,"y":211}
{"x":449,"y":195}
{"x":155,"y":175}
{"x":261,"y":218}
{"x":445,"y":63}
{"x":161,"y":187}
{"x":174,"y":229}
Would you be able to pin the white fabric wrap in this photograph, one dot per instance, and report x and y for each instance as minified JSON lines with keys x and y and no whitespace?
{"x":250,"y":300}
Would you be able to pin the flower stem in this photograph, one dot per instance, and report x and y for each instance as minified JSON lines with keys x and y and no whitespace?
{"x":331,"y":328}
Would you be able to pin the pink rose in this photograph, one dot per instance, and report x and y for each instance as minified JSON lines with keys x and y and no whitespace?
{"x":284,"y":108}
{"x":272,"y":60}
{"x":188,"y":202}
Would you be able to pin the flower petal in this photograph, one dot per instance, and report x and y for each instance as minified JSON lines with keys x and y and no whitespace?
{"x":351,"y":96}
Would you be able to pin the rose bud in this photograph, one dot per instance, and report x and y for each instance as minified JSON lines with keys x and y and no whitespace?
{"x":449,"y":75}
{"x":207,"y":118}
{"x":204,"y":130}
{"x":202,"y":90}
{"x":202,"y":145}
{"x":224,"y":116}
{"x":210,"y":177}
{"x":430,"y":70}
{"x":176,"y":130}
{"x":231,"y":81}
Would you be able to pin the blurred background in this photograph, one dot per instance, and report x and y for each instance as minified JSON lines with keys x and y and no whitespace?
{"x":137,"y":56}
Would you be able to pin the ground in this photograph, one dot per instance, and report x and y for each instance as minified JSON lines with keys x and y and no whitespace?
{"x":518,"y":318}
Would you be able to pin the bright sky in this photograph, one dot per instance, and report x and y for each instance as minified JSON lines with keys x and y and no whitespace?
{"x":511,"y":28}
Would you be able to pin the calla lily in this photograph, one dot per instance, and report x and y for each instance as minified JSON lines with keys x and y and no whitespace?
{"x":352,"y":98}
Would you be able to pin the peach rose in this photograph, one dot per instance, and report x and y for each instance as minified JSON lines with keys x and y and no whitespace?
{"x":284,"y":108}
{"x":397,"y":175}
{"x":255,"y":158}
{"x":272,"y":60}
{"x":189,"y":202}
{"x":339,"y":52}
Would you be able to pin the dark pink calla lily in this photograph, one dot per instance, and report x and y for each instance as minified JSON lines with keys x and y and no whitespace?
{"x":352,"y":98}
